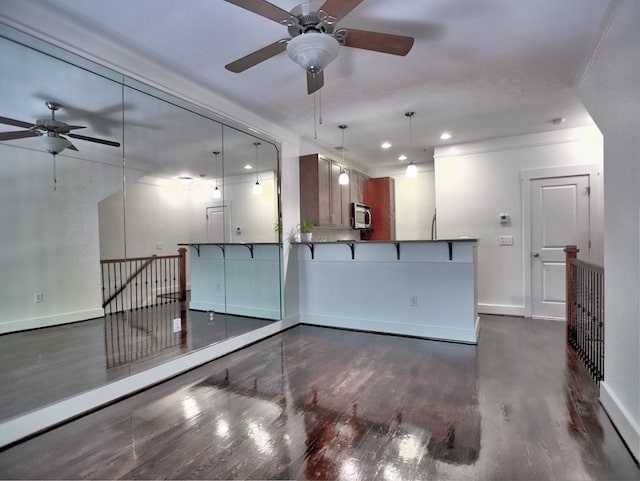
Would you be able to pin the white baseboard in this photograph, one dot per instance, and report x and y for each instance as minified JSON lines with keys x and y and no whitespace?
{"x":440,"y":332}
{"x":628,"y":429}
{"x":47,"y":321}
{"x":237,"y":310}
{"x":549,"y":318}
{"x":501,"y":309}
{"x":38,"y":420}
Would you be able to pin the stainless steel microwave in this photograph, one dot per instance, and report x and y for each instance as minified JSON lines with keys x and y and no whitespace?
{"x":361,"y":215}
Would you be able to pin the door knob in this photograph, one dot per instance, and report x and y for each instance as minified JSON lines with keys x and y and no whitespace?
{"x":535,"y":254}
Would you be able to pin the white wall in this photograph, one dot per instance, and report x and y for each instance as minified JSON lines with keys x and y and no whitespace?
{"x":155,"y":220}
{"x":161,"y":214}
{"x":255,"y":214}
{"x":610,"y":90}
{"x":415,"y":200}
{"x":49,"y":240}
{"x":475,"y":182}
{"x":415,"y":205}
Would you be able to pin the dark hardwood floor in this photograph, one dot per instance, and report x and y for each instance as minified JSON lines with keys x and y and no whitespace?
{"x":42,"y":366}
{"x":317,"y":403}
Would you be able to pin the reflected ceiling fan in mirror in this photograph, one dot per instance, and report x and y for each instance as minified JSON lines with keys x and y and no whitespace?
{"x":314,"y":41}
{"x":50,"y":132}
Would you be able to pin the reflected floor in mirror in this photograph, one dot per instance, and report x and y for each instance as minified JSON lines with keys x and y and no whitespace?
{"x":320,"y":403}
{"x":45,"y":365}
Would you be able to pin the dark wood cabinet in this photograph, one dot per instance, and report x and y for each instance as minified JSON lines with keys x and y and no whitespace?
{"x":323,"y":200}
{"x":356,"y":186}
{"x":380,"y":194}
{"x":315,"y":177}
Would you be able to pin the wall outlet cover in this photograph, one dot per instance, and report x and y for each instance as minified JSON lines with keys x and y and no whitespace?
{"x":177,"y":325}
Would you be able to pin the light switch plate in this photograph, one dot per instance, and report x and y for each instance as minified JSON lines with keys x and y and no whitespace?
{"x":505,"y":240}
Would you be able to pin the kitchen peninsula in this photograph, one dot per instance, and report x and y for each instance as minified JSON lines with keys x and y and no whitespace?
{"x":417,"y":288}
{"x":236,"y":278}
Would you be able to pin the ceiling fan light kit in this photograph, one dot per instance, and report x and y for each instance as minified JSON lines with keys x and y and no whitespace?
{"x":53,"y":144}
{"x":313,"y":51}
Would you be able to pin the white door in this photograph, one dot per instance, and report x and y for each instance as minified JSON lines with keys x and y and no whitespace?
{"x":219,"y":224}
{"x":559,"y":217}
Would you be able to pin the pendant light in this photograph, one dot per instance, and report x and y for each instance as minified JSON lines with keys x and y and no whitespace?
{"x":217,"y":193}
{"x":412,"y":170}
{"x":257,"y":188}
{"x":344,"y":177}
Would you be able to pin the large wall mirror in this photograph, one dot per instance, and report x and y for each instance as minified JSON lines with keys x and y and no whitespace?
{"x":152,"y":231}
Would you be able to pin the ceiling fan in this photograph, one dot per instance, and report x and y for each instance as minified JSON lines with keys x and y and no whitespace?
{"x":50,"y":132}
{"x":314,"y":39}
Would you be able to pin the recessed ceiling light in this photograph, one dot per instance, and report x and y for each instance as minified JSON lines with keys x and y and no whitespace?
{"x":385,"y":145}
{"x":248,"y":167}
{"x":558,"y":121}
{"x":445,"y":136}
{"x":186,"y":180}
{"x":403,"y":157}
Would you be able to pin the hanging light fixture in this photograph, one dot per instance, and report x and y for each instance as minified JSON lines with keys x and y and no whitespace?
{"x":412,"y":170}
{"x":344,"y":177}
{"x":217,"y":193}
{"x":257,"y":188}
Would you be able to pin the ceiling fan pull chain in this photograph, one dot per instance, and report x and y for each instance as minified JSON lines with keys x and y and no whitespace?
{"x":55,"y":180}
{"x":320,"y":105}
{"x":315,"y":117}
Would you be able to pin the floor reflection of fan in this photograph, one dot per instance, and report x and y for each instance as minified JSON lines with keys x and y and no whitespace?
{"x":49,"y":132}
{"x":314,"y":39}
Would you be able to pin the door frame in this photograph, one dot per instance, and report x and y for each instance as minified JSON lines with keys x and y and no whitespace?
{"x":526,"y":176}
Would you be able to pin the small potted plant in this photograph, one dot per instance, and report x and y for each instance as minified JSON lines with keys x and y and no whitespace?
{"x":306,"y":228}
{"x":277,"y":228}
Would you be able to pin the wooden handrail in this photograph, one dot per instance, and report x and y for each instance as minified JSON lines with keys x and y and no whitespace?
{"x":149,"y":260}
{"x":129,"y":259}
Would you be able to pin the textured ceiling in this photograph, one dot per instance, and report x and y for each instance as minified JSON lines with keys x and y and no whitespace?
{"x":479,"y":68}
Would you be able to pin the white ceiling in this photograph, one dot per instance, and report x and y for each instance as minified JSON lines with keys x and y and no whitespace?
{"x":478,"y":68}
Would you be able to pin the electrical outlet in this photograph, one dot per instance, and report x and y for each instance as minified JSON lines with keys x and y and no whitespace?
{"x":413,"y":301}
{"x":37,"y":297}
{"x":177,"y":325}
{"x":211,"y":317}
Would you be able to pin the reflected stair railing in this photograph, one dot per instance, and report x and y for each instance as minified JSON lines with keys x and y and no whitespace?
{"x":138,"y":282}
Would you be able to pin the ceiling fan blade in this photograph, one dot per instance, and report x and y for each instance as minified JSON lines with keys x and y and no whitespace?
{"x":16,"y":123}
{"x":18,"y":134}
{"x":339,"y":8}
{"x":75,"y":127}
{"x":378,"y":42}
{"x":263,"y":8}
{"x":258,"y":56}
{"x":71,"y":146}
{"x":314,"y":81}
{"x":94,"y":139}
